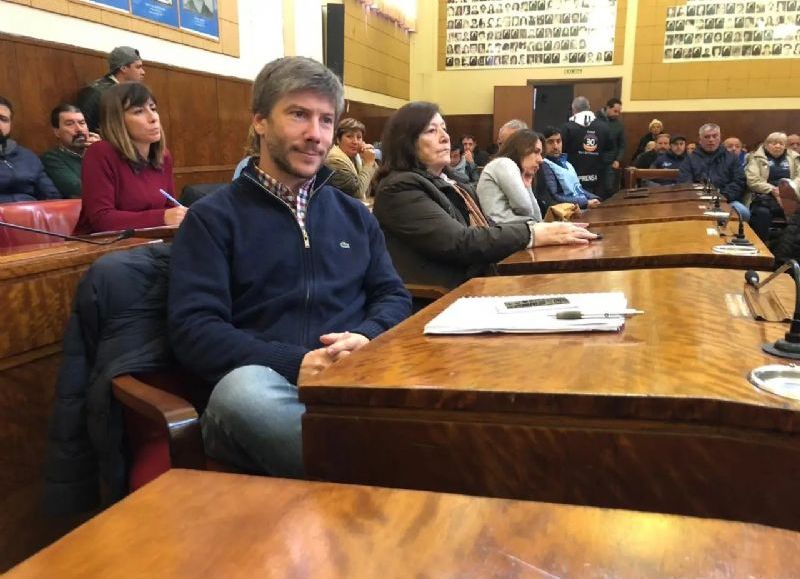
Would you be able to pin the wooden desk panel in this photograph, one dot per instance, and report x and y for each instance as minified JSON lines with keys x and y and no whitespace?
{"x":37,"y":284}
{"x":652,"y":213}
{"x":665,"y":244}
{"x":619,"y":200}
{"x":658,"y":417}
{"x":204,"y":524}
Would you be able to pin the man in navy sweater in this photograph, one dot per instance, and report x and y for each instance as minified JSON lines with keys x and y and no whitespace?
{"x":278,"y":275}
{"x":712,"y":162}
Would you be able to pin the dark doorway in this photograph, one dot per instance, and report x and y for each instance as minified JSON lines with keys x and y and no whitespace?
{"x":551,"y":105}
{"x":553,"y":101}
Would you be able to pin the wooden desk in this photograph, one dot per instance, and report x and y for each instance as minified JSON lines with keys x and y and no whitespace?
{"x":652,"y":213}
{"x":659,"y":417}
{"x":37,"y":284}
{"x":166,"y":232}
{"x":666,"y":244}
{"x":618,"y":200}
{"x":205,"y":524}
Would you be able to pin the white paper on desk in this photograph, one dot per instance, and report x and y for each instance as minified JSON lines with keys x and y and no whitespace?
{"x":476,"y":315}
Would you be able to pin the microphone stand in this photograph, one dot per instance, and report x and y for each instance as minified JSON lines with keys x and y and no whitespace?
{"x":739,"y":238}
{"x":124,"y":235}
{"x":789,"y":345}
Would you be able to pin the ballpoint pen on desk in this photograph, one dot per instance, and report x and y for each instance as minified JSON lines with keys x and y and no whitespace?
{"x":171,"y":199}
{"x":578,"y":315}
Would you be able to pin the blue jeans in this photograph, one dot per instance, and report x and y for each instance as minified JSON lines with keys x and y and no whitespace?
{"x":253,"y":422}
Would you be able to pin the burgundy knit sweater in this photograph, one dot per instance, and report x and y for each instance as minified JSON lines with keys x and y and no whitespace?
{"x":117,"y":196}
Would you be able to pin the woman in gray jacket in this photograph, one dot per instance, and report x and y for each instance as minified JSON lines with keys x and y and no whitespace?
{"x":505,"y":187}
{"x":435,"y":230}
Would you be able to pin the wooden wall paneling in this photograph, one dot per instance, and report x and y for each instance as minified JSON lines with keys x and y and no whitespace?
{"x":9,"y":73}
{"x":512,"y":102}
{"x":480,"y":126}
{"x":193,"y":115}
{"x":234,"y":117}
{"x":597,"y":91}
{"x":750,"y":126}
{"x":374,"y":118}
{"x":46,"y":80}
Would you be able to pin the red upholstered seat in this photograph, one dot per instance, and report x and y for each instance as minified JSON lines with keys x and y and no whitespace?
{"x":58,"y":216}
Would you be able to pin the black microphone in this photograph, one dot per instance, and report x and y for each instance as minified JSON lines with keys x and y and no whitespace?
{"x":789,"y":345}
{"x":744,"y":215}
{"x":123,"y":235}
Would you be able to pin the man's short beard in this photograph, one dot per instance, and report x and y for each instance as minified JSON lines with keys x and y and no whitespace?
{"x":278,"y":154}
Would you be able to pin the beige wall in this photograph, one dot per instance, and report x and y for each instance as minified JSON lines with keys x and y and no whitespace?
{"x":471,"y":92}
{"x":376,"y":53}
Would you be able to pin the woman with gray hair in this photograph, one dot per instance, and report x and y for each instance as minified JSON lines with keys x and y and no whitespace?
{"x":771,"y":165}
{"x":351,"y":159}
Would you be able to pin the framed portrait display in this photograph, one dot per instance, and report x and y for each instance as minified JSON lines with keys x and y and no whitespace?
{"x":732,"y":30}
{"x":495,"y":33}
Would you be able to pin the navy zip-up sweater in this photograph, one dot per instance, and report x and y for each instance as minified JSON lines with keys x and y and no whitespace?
{"x":246,"y":288}
{"x":721,"y":167}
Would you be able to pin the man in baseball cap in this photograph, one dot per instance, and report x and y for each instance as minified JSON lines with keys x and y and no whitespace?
{"x":124,"y":65}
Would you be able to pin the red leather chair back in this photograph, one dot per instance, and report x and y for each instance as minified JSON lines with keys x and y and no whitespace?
{"x":58,"y":216}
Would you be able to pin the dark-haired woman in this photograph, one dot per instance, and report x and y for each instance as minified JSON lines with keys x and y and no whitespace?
{"x":435,"y":230}
{"x":123,"y":175}
{"x":505,"y":187}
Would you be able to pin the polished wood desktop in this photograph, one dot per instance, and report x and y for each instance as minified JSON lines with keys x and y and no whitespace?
{"x":637,"y":245}
{"x":204,"y":524}
{"x":165,"y":232}
{"x":37,"y":284}
{"x":658,"y":417}
{"x":653,"y":213}
{"x":619,"y":199}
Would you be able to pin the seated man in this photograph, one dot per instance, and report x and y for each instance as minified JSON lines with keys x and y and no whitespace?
{"x":734,"y":145}
{"x":22,"y":176}
{"x":462,"y":170}
{"x":711,"y":162}
{"x":557,"y":181}
{"x":472,"y":153}
{"x":648,"y":157}
{"x":278,"y":275}
{"x":793,"y":142}
{"x":63,"y":162}
{"x":670,"y":159}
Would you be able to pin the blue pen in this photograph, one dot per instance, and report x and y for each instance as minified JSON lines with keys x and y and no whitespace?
{"x":171,"y":199}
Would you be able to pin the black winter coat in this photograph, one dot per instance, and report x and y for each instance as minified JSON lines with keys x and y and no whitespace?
{"x":117,"y":326}
{"x":426,"y":225}
{"x":721,"y":167}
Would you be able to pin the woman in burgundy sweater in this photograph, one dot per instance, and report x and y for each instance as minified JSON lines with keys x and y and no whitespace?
{"x":122,"y":175}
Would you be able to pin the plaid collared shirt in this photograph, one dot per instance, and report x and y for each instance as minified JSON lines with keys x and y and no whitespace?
{"x":297,"y":202}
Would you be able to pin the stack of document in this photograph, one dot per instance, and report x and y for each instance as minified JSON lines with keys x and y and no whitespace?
{"x":590,"y":312}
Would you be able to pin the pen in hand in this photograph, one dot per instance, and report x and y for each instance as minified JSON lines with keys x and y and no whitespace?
{"x":577,"y":315}
{"x":171,"y":199}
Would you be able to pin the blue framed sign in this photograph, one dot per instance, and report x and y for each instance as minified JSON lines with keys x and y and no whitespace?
{"x":161,"y":11}
{"x":123,"y":5}
{"x":200,"y":16}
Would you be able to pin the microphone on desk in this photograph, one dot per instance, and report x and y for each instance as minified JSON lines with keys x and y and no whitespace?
{"x":710,"y":191}
{"x":744,"y":215}
{"x":123,"y":235}
{"x":789,"y":345}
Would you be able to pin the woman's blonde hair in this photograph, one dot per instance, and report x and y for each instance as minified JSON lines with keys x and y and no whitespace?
{"x":113,"y":104}
{"x":655,"y":122}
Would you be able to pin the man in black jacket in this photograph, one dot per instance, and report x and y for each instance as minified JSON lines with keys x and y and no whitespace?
{"x":124,"y":65}
{"x":710,"y":161}
{"x":586,"y":143}
{"x":612,"y":160}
